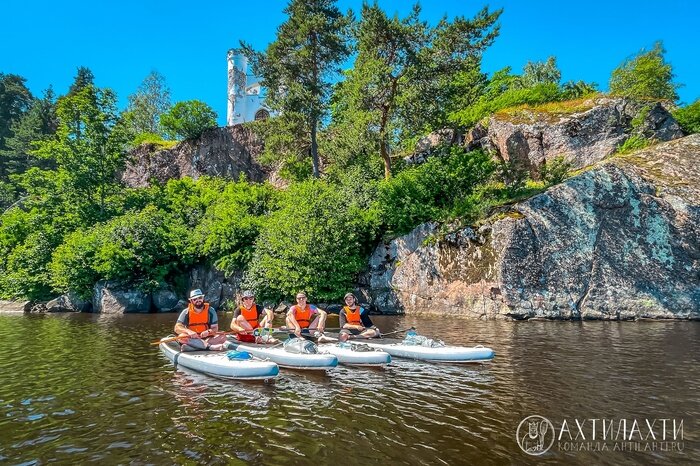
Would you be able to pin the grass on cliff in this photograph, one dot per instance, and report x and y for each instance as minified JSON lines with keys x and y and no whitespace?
{"x":154,"y":140}
{"x":549,"y":112}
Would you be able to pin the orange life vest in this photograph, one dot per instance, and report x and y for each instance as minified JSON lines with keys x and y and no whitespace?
{"x":251,"y":315}
{"x":198,"y":321}
{"x":352,"y":317}
{"x":302,"y":316}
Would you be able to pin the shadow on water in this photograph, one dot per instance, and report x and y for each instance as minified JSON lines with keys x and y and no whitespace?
{"x":86,"y":388}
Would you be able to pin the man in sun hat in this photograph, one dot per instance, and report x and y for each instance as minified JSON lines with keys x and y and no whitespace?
{"x":198,"y":322}
{"x":299,"y":317}
{"x":248,"y":317}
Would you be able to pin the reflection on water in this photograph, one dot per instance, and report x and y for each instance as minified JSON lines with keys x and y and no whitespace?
{"x":78,"y":388}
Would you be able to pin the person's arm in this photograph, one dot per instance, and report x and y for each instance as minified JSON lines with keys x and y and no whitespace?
{"x":213,"y":326}
{"x":364,"y":317}
{"x":269,"y":317}
{"x":292,"y":322}
{"x":235,"y":325}
{"x":322,"y":319}
{"x":181,"y":325}
{"x":342,"y":320}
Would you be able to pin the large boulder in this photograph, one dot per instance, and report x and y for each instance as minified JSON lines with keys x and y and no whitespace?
{"x":427,"y":144}
{"x":620,"y":241}
{"x":165,"y":300}
{"x":583,"y":132}
{"x":110,"y":298}
{"x":69,"y":302}
{"x":220,"y":290}
{"x":15,"y":306}
{"x":226,"y":152}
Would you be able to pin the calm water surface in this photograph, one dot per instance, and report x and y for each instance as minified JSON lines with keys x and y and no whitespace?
{"x":81,"y":388}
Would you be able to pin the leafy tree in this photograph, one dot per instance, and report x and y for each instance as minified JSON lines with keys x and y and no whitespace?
{"x":188,"y":120}
{"x":151,"y":100}
{"x":646,"y":75}
{"x":689,"y":117}
{"x":15,"y":100}
{"x":403,"y":69}
{"x":88,"y":149}
{"x":451,"y":71}
{"x":286,"y":147}
{"x":535,"y":73}
{"x":227,"y":231}
{"x":298,"y":66}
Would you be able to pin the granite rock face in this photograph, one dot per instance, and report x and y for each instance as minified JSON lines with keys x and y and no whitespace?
{"x":619,"y":241}
{"x":109,"y":298}
{"x":15,"y":306}
{"x":69,"y":302}
{"x":587,"y":134}
{"x":225,"y":152}
{"x":219,"y":289}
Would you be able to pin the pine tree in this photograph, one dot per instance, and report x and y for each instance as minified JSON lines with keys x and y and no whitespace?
{"x":297,"y":68}
{"x":405,"y":72}
{"x":15,"y":101}
{"x":39,"y":122}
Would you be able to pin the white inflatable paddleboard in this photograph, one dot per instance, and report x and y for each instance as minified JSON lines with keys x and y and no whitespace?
{"x":289,"y":360}
{"x":217,"y":363}
{"x":453,"y":354}
{"x":351,"y":354}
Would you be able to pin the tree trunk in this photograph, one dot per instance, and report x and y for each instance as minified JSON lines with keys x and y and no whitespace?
{"x":314,"y":149}
{"x":383,"y":150}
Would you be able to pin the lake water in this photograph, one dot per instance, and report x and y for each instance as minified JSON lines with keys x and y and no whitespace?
{"x":81,"y":388}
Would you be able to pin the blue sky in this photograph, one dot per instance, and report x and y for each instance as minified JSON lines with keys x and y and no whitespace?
{"x":121,"y":42}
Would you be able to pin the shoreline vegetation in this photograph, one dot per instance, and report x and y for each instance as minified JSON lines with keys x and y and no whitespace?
{"x":69,"y":222}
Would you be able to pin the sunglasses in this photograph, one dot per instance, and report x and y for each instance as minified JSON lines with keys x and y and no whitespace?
{"x":247,"y":299}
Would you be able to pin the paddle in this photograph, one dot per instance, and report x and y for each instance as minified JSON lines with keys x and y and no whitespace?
{"x":180,"y":337}
{"x":396,"y":331}
{"x":326,"y":339}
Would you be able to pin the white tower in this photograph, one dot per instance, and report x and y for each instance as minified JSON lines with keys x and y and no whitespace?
{"x":237,"y":82}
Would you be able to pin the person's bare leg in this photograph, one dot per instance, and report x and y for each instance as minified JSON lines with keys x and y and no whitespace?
{"x":369,"y":333}
{"x":216,"y":343}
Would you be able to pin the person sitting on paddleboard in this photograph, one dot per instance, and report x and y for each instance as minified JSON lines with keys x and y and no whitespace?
{"x":247,"y":318}
{"x":354,"y":320}
{"x":299,"y":317}
{"x":199,"y":323}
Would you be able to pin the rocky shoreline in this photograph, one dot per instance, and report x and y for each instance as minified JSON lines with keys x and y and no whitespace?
{"x":618,"y":241}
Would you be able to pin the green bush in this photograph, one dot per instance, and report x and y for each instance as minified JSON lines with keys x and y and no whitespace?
{"x":555,"y":171}
{"x":487,"y":105}
{"x":633,"y":143}
{"x":133,"y":249}
{"x":429,"y":191}
{"x":689,"y":117}
{"x":152,"y":138}
{"x":646,"y":75}
{"x":226,"y":233}
{"x":313,"y":242}
{"x":24,"y":272}
{"x":188,"y":120}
